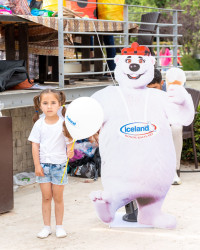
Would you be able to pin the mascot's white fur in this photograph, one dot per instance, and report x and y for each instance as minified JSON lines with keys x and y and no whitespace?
{"x":135,"y":141}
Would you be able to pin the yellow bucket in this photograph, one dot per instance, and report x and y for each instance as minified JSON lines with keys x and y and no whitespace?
{"x":51,"y":5}
{"x":110,"y":12}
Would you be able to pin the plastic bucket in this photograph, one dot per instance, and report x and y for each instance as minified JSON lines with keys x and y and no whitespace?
{"x":51,"y":5}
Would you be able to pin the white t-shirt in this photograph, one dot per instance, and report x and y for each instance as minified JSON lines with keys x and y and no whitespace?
{"x":51,"y":139}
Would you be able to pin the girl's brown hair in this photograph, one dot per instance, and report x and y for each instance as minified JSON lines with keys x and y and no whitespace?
{"x":60,"y":97}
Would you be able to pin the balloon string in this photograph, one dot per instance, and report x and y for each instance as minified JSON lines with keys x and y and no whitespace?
{"x":67,"y":163}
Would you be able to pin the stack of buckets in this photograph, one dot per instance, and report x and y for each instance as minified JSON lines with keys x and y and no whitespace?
{"x":88,"y":10}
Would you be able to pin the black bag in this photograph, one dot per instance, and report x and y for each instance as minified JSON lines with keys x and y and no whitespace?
{"x":97,"y":161}
{"x":85,"y":171}
{"x":88,"y":170}
{"x":80,"y":162}
{"x":12,"y":73}
{"x":87,"y":167}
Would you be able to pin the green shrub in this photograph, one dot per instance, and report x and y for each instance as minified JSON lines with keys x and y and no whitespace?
{"x":189,"y":63}
{"x":187,"y":152}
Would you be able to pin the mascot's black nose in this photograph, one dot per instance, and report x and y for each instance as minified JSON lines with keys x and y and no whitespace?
{"x":134,"y":67}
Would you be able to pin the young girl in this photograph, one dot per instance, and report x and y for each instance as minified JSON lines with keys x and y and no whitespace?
{"x":50,"y":156}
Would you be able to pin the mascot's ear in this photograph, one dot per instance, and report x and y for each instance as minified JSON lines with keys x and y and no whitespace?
{"x":117,"y":58}
{"x":153,"y":60}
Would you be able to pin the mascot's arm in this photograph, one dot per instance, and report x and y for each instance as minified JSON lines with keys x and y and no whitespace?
{"x":180,"y":107}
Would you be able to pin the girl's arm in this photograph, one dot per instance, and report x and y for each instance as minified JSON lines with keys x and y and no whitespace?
{"x":68,"y":138}
{"x":95,"y":139}
{"x":36,"y":159}
{"x":70,"y":151}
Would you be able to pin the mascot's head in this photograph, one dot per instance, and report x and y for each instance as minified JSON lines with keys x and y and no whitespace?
{"x":135,"y":67}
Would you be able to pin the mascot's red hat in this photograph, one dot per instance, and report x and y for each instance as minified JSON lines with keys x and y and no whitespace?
{"x":136,"y":50}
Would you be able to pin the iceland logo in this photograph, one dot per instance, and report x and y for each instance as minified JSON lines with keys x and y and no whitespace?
{"x":70,"y":121}
{"x":138,"y":130}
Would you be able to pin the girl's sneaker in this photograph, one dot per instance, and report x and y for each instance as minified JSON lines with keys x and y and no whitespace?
{"x":44,"y":233}
{"x":60,"y":231}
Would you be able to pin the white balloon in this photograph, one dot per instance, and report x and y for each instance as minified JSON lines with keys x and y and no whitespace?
{"x":83,"y":118}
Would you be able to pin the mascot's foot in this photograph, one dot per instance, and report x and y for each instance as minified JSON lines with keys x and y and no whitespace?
{"x":103,"y":205}
{"x":164,"y":221}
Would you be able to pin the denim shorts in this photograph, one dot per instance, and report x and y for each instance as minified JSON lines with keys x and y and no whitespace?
{"x":53,"y":173}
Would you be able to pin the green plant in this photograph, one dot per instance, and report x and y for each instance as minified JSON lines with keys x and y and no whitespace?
{"x":187,"y":152}
{"x":189,"y":63}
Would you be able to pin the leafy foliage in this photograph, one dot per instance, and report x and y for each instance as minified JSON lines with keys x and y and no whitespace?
{"x":194,"y":6}
{"x":189,"y":19}
{"x":150,"y":3}
{"x":190,"y":29}
{"x":133,"y":2}
{"x":187,"y":152}
{"x":189,"y":63}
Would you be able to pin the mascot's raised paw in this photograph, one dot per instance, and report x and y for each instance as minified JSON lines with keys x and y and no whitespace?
{"x":175,"y":79}
{"x":178,"y":98}
{"x":177,"y":94}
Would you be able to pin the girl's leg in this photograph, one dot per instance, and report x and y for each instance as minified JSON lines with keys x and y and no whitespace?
{"x":46,"y":189}
{"x":59,"y":209}
{"x":59,"y":203}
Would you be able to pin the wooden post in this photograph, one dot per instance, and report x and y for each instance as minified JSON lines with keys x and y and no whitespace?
{"x":6,"y":163}
{"x":23,"y":43}
{"x":43,"y":68}
{"x":85,"y":53}
{"x":10,"y":41}
{"x":55,"y":73}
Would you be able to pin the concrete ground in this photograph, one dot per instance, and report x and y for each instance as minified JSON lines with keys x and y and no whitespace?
{"x":19,"y":227}
{"x":85,"y":231}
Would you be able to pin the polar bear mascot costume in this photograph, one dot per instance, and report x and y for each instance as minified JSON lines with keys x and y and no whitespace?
{"x":135,"y":140}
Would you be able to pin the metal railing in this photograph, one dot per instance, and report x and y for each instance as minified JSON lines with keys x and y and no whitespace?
{"x":130,"y":17}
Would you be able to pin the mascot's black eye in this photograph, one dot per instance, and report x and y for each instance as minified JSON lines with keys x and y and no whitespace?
{"x":128,"y":60}
{"x":141,"y":60}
